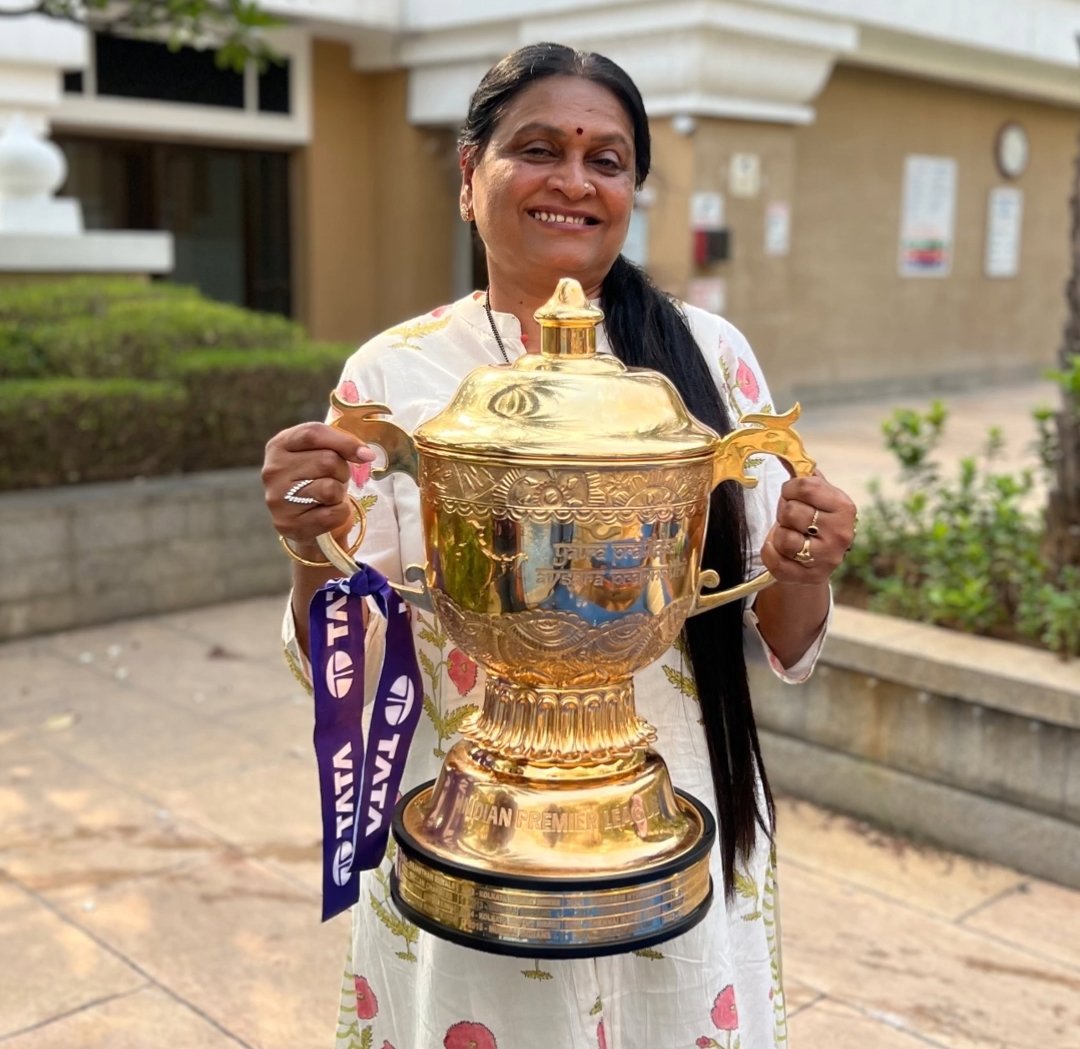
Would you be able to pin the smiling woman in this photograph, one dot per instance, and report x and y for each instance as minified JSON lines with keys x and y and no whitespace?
{"x":554,"y":146}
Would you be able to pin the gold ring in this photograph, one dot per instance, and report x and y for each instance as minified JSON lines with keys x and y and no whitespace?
{"x":359,"y":518}
{"x":804,"y":557}
{"x":812,"y":528}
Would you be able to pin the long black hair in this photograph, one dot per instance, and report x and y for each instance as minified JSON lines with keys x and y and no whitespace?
{"x":646,"y":329}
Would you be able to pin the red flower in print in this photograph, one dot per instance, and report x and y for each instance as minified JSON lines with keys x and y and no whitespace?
{"x":466,"y":1035}
{"x":724,"y":1014}
{"x":387,"y":1045}
{"x":601,"y":1037}
{"x":747,"y":382}
{"x":367,"y":1005}
{"x":704,"y":1042}
{"x":347,"y":391}
{"x":462,"y":671}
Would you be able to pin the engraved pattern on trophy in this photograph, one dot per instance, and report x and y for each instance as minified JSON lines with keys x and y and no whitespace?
{"x":562,"y":494}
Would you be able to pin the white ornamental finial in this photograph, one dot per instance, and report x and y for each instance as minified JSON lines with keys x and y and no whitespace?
{"x":31,"y":167}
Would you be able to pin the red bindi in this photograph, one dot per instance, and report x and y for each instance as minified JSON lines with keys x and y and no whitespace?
{"x":580,"y":131}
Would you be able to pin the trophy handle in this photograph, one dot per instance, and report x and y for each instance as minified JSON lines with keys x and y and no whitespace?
{"x":363,"y":422}
{"x":761,"y":434}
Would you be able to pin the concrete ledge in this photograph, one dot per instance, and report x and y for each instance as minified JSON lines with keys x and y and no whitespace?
{"x":960,"y":740}
{"x":955,"y":819}
{"x":86,"y":554}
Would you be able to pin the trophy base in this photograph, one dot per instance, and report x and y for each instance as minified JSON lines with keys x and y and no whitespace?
{"x":576,"y":912}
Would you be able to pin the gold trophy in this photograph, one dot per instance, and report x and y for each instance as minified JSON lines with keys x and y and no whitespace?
{"x":564,"y":501}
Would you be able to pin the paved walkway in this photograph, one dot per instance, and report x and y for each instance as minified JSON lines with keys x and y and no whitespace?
{"x":159,"y":867}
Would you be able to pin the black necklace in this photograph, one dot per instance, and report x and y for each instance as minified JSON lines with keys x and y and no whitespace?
{"x":491,"y":321}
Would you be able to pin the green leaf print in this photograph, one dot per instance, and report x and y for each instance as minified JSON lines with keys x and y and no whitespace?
{"x":425,"y":662}
{"x":366,"y":1038}
{"x":650,"y":953}
{"x":745,"y":886}
{"x":536,"y":973}
{"x":368,"y":501}
{"x":454,"y":719}
{"x":598,"y":1007}
{"x":751,"y":917}
{"x":683,"y":682}
{"x":430,"y":636}
{"x":397,"y":925}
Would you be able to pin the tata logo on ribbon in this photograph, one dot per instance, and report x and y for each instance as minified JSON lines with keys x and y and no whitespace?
{"x":339,"y":676}
{"x":399,"y":700}
{"x":345,"y":812}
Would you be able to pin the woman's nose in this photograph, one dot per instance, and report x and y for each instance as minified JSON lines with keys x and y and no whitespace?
{"x":572,"y":180}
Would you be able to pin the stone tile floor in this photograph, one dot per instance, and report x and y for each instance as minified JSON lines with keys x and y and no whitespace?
{"x":159,"y":869}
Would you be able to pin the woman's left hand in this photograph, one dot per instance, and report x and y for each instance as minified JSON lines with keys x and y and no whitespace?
{"x":815,"y":527}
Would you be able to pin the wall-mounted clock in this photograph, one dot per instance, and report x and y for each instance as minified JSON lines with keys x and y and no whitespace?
{"x":1011,"y":149}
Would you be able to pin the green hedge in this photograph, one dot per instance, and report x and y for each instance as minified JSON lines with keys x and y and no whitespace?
{"x":135,"y":339}
{"x":109,"y":379}
{"x":55,"y":431}
{"x":244,"y":398}
{"x":46,"y":302}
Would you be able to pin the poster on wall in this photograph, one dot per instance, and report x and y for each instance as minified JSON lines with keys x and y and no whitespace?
{"x":778,"y":228}
{"x":1004,"y":217}
{"x":927,"y":215}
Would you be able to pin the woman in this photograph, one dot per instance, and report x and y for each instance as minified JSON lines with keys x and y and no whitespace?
{"x":554,"y":146}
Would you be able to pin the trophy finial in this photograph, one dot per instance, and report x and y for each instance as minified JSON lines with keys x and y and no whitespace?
{"x":568,"y":322}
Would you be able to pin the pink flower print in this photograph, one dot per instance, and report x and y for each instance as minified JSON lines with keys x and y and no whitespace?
{"x":439,"y":311}
{"x":386,"y":1045}
{"x":347,"y":391}
{"x":466,"y":1035}
{"x":462,"y":671}
{"x":601,"y":1037}
{"x":747,"y":382}
{"x":367,"y":1005}
{"x":704,"y":1042}
{"x":724,"y":1014}
{"x":360,"y":473}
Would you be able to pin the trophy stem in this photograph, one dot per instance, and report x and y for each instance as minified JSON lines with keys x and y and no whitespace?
{"x":561,"y":727}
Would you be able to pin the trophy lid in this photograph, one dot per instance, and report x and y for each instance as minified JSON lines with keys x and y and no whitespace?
{"x":567,"y":403}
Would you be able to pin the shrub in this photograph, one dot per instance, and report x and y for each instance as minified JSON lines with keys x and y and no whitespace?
{"x":62,"y":430}
{"x":138,"y":339}
{"x":46,"y":302}
{"x":962,"y":553}
{"x":240,"y":399}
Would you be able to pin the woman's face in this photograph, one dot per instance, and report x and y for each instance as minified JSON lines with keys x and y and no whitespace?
{"x":553,"y":189}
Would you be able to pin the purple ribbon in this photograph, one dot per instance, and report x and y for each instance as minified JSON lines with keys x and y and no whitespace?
{"x":359,"y":786}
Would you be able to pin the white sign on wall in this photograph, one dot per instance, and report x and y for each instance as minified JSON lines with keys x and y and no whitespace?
{"x":927,"y":216}
{"x":744,"y":175}
{"x":778,"y":228}
{"x":1004,"y":219}
{"x":707,"y":211}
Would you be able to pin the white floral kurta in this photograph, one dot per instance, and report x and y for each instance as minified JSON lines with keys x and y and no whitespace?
{"x":718,"y":984}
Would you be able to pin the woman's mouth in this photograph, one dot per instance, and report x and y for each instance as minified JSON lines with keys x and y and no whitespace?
{"x":555,"y":218}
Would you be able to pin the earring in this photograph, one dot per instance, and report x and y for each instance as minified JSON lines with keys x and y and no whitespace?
{"x":466,"y":212}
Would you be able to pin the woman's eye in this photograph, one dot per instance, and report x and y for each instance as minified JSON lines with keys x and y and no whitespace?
{"x":608,"y":163}
{"x":538,"y":151}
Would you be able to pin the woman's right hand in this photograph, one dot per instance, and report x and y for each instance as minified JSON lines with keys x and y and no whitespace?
{"x":320,"y":455}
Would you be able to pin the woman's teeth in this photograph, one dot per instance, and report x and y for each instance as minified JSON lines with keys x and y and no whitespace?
{"x":547,"y":216}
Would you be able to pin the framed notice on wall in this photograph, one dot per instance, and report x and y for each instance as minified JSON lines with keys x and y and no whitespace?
{"x":1004,"y":215}
{"x":927,"y":216}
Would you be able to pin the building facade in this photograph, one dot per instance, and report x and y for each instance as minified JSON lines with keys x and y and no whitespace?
{"x":876,"y":191}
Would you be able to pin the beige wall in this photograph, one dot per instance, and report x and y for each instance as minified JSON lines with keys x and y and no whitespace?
{"x":834,"y":319}
{"x":857,"y":324}
{"x":375,"y":208}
